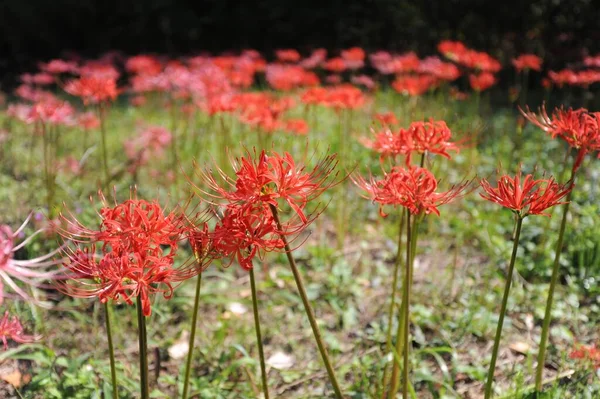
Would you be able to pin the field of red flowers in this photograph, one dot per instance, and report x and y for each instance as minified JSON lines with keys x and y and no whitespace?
{"x":344,"y":225}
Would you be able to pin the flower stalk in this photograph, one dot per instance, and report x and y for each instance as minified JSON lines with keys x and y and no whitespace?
{"x":307,"y":308}
{"x":111,"y":353}
{"x":511,"y":267}
{"x":261,"y":353}
{"x":190,"y":354}
{"x":143,"y":344}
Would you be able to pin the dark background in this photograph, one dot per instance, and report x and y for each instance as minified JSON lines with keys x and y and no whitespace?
{"x":561,"y":31}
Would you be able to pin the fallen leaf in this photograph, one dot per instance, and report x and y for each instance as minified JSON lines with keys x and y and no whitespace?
{"x":13,"y":378}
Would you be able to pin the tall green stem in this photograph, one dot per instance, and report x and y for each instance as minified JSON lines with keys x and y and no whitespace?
{"x":539,"y":374}
{"x":261,"y":353}
{"x":511,"y":267}
{"x":308,"y":309}
{"x":111,"y":353}
{"x":143,"y":341}
{"x":388,"y":341}
{"x":188,"y":363}
{"x":102,"y":115}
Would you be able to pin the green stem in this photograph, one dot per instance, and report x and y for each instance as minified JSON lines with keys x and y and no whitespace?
{"x":188,"y":363}
{"x":388,"y":341}
{"x":143,"y":341}
{"x":104,"y":150}
{"x":308,"y":309}
{"x":548,"y":313}
{"x":413,"y":233}
{"x":511,"y":267}
{"x":111,"y":352}
{"x":261,"y":353}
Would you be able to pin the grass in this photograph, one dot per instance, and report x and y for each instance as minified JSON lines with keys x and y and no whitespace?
{"x":459,"y":271}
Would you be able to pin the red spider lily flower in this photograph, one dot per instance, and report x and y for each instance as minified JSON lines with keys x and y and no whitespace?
{"x":315,"y":59}
{"x":12,"y":328}
{"x":315,"y":95}
{"x":354,"y":58}
{"x":27,"y":92}
{"x":149,"y":145}
{"x":436,"y":67}
{"x":143,"y":65}
{"x":287,"y":55}
{"x":413,"y":188}
{"x":386,"y":118}
{"x":100,"y":70}
{"x":270,"y":177}
{"x":139,"y":243}
{"x":42,"y":79}
{"x":335,"y":65}
{"x":386,"y":143}
{"x":414,"y":85}
{"x":296,"y":126}
{"x":288,"y":77}
{"x":333,"y":79}
{"x":579,"y":128}
{"x":93,"y":89}
{"x":432,"y":137}
{"x":364,"y":80}
{"x":527,"y":61}
{"x":525,"y":196}
{"x":245,"y":232}
{"x":31,"y":272}
{"x":57,"y":67}
{"x":452,"y":49}
{"x":88,"y":121}
{"x":344,"y":97}
{"x":482,"y":81}
{"x":51,"y":111}
{"x":589,"y":354}
{"x":592,"y":61}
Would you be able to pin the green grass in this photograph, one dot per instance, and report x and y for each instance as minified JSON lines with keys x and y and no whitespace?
{"x":461,"y":261}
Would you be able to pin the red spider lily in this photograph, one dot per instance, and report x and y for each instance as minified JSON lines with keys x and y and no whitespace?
{"x":27,"y":92}
{"x":592,"y":61}
{"x":336,"y":65}
{"x":354,"y":58}
{"x":414,"y":85}
{"x":288,"y":77}
{"x":133,"y":261}
{"x":364,"y":80}
{"x":527,"y":61}
{"x":579,"y":128}
{"x":93,"y":89}
{"x":270,"y":177}
{"x":452,"y":49}
{"x":413,"y":188}
{"x":420,"y":137}
{"x":12,"y":328}
{"x":386,"y":143}
{"x":589,"y":354}
{"x":48,"y":111}
{"x":315,"y":95}
{"x":149,"y":145}
{"x":436,"y":67}
{"x":143,"y":65}
{"x":88,"y":121}
{"x":296,"y":126}
{"x":574,"y":78}
{"x":525,"y":196}
{"x":287,"y":55}
{"x":432,"y":137}
{"x":386,"y":118}
{"x":344,"y":97}
{"x":315,"y":59}
{"x":57,"y":67}
{"x":245,"y":232}
{"x":482,"y":81}
{"x":31,"y":272}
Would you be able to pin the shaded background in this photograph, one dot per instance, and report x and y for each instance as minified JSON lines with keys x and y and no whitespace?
{"x":561,"y":31}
